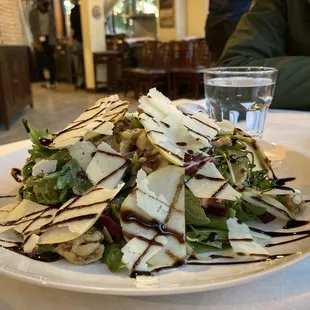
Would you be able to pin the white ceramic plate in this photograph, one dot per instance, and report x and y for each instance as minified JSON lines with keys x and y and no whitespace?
{"x":96,"y":278}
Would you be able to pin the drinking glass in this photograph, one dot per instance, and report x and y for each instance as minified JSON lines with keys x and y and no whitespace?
{"x":241,"y":95}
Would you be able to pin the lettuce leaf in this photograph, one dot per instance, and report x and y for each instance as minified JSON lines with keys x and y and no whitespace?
{"x":194,"y":213}
{"x":112,"y":256}
{"x":210,"y":237}
{"x":34,"y":133}
{"x":74,"y":177}
{"x":38,"y":151}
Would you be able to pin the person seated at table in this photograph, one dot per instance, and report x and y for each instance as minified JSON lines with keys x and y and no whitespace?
{"x":222,"y":20}
{"x":276,"y":33}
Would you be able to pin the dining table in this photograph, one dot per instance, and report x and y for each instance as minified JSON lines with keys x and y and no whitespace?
{"x":288,"y":288}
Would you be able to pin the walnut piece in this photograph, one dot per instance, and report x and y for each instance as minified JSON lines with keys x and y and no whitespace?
{"x":84,"y":250}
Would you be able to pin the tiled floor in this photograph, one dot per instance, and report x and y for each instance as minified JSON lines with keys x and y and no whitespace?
{"x":53,"y":110}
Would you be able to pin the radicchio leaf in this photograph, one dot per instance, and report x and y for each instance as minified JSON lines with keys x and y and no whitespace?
{"x":114,"y":229}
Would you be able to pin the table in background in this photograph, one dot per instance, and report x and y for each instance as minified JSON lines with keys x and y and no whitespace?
{"x":285,"y":289}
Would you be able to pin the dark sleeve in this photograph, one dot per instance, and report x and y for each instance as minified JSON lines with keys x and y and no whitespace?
{"x":74,"y":19}
{"x":260,"y":40}
{"x":33,"y":23}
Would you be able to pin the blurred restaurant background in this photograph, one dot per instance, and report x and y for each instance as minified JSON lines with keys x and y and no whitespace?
{"x":128,"y":47}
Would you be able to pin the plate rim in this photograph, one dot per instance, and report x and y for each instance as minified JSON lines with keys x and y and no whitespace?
{"x":153,"y":291}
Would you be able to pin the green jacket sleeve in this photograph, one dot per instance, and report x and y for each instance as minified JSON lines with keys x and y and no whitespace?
{"x":260,"y":40}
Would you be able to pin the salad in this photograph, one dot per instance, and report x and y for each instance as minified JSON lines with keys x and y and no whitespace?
{"x":146,"y":191}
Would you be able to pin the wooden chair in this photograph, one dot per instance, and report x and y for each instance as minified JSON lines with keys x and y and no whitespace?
{"x":113,"y":59}
{"x":153,"y":70}
{"x":193,"y":58}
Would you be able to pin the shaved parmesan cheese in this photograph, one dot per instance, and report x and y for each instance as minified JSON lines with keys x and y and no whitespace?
{"x":31,"y":243}
{"x":82,"y":152}
{"x":242,"y":241}
{"x":271,"y":204}
{"x":139,"y":250}
{"x":155,"y":104}
{"x":44,"y":166}
{"x":157,"y":135}
{"x":156,"y":207}
{"x":172,"y":133}
{"x":209,"y":183}
{"x":158,"y":201}
{"x":107,"y":167}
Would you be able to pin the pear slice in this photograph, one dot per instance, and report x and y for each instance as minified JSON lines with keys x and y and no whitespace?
{"x":6,"y":210}
{"x":98,"y":119}
{"x":22,"y":214}
{"x":242,"y":240}
{"x":226,"y":127}
{"x":107,"y":167}
{"x":156,"y":208}
{"x":77,"y":215}
{"x":208,"y":182}
{"x":31,"y":243}
{"x":35,"y":225}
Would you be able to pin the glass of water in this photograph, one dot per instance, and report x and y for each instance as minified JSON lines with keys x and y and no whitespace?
{"x":241,"y":95}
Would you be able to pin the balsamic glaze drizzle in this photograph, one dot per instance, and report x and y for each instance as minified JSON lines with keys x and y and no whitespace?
{"x":16,"y":174}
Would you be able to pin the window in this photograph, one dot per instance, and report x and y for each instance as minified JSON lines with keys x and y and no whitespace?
{"x":120,"y":22}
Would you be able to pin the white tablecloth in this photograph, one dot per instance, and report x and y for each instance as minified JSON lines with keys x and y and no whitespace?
{"x":286,"y":289}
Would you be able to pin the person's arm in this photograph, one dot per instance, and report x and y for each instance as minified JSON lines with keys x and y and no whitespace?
{"x":73,"y":26}
{"x":260,"y":40}
{"x":34,"y":30}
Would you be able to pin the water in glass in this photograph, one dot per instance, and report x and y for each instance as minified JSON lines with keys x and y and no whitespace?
{"x":240,"y":99}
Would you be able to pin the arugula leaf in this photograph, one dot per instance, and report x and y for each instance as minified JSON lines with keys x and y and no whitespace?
{"x":201,"y":247}
{"x":45,"y":248}
{"x":218,"y":223}
{"x":135,"y":123}
{"x":56,"y":188}
{"x":46,"y":192}
{"x":62,"y":156}
{"x":211,"y":237}
{"x":194,"y":213}
{"x":73,"y":176}
{"x":112,"y":256}
{"x":115,"y":212}
{"x":34,"y":133}
{"x":38,"y":151}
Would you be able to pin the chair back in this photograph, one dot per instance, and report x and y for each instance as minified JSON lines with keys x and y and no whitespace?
{"x":201,"y":54}
{"x":182,"y":54}
{"x":190,"y":54}
{"x":163,"y":55}
{"x":147,"y":54}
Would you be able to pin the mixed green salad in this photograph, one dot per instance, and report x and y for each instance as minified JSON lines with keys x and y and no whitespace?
{"x":145,"y":190}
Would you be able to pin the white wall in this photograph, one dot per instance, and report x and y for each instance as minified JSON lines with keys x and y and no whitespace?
{"x":196,"y":14}
{"x":93,"y":40}
{"x":178,"y":32}
{"x":190,"y":19}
